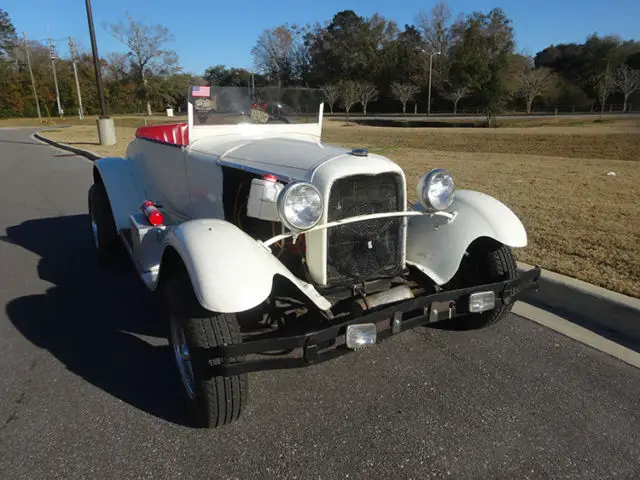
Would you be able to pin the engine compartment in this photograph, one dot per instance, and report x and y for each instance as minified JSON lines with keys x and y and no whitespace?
{"x":235,"y":197}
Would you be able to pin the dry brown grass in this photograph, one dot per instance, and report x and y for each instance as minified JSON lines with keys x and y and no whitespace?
{"x":86,"y":137}
{"x":580,"y":221}
{"x":609,"y":141}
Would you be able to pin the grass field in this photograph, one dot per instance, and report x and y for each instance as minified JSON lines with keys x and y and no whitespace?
{"x":580,"y":221}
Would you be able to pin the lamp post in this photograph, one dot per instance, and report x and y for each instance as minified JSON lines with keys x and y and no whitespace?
{"x":430,"y":66}
{"x":106,"y":129}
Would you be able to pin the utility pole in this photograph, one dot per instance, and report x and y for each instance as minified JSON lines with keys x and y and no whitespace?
{"x":33,"y":82}
{"x":75,"y":74}
{"x":53,"y":56}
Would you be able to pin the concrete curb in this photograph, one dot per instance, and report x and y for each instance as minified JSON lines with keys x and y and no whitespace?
{"x":603,"y":311}
{"x":80,"y":151}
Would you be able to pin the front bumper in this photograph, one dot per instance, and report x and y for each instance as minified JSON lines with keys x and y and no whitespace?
{"x":329,"y":342}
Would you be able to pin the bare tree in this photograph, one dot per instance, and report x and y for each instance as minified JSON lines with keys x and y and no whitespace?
{"x":627,"y":80}
{"x":274,"y":54}
{"x":455,"y":94}
{"x":145,"y":50}
{"x":117,"y":66}
{"x":367,"y":92}
{"x":404,"y":92}
{"x":348,"y":95}
{"x":533,"y":83}
{"x":603,"y":83}
{"x":438,"y":35}
{"x":331,"y":94}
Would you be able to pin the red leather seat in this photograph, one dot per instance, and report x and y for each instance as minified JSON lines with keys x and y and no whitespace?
{"x":169,"y":133}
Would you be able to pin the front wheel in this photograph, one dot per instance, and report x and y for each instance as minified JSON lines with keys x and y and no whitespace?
{"x":212,"y":401}
{"x":486,"y":261}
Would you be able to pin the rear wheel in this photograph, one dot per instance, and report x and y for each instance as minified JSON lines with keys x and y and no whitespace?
{"x":212,"y":401}
{"x":486,"y":261}
{"x":103,"y":225}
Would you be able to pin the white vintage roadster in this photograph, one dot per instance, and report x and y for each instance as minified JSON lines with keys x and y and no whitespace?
{"x":272,"y":249}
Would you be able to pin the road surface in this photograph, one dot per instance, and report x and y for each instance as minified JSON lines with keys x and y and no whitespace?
{"x":88,"y":389}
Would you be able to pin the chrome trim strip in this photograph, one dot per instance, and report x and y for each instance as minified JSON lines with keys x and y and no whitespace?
{"x":344,"y":221}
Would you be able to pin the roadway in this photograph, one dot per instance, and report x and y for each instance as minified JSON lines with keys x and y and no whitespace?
{"x":88,"y":388}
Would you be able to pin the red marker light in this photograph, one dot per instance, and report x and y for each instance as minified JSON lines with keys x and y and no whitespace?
{"x":264,"y":106}
{"x":270,"y":178}
{"x":152,"y":213}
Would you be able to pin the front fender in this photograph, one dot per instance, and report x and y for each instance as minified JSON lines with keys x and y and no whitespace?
{"x":229,"y":270}
{"x":436,"y":245}
{"x":122,"y":186}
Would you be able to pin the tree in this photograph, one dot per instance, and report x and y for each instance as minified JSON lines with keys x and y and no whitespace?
{"x":480,"y":58}
{"x":367,"y":92}
{"x":145,"y":51}
{"x":439,"y":36}
{"x":533,"y":83}
{"x":221,"y":76}
{"x":455,"y":94}
{"x":7,"y":34}
{"x":348,"y":95}
{"x":404,"y":92}
{"x":603,"y":83}
{"x":274,"y":54}
{"x":628,"y":81}
{"x":331,"y":94}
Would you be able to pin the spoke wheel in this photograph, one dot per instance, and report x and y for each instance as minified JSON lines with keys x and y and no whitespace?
{"x":183,"y":357}
{"x":212,"y":401}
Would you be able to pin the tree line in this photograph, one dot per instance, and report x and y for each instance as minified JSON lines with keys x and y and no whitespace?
{"x":360,"y":63}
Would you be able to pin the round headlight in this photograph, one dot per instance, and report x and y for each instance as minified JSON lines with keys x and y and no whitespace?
{"x":300,"y":206}
{"x":436,"y":189}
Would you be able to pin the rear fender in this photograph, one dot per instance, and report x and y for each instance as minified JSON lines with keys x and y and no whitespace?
{"x":436,"y":244}
{"x":123,"y":188}
{"x":229,"y":270}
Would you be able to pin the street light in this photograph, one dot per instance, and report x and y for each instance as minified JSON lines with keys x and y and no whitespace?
{"x":430,"y":65}
{"x":106,"y":129}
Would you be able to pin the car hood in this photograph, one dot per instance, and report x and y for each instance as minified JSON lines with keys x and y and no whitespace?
{"x":288,"y":158}
{"x":291,"y":159}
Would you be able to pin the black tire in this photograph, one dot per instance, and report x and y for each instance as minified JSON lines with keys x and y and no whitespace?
{"x":487,"y":262}
{"x":213,"y":401}
{"x":106,"y":238}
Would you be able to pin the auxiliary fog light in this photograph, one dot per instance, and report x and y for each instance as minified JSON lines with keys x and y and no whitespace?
{"x":482,"y":301}
{"x":361,"y":335}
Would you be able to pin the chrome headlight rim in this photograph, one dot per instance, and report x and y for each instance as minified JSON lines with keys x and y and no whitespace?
{"x":281,"y":204}
{"x":427,"y":181}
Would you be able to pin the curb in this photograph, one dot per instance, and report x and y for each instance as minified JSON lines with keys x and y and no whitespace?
{"x":602,"y":311}
{"x":80,"y":151}
{"x":606,"y":313}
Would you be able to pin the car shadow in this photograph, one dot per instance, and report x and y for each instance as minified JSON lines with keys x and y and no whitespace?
{"x":91,"y":317}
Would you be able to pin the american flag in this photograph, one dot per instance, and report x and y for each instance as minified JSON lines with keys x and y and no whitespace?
{"x":201,"y":91}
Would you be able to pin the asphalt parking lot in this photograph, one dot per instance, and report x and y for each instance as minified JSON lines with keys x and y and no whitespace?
{"x":88,"y":388}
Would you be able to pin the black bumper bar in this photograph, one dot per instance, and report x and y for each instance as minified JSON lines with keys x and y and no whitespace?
{"x":329,"y":342}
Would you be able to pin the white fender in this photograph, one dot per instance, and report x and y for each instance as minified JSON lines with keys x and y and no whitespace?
{"x":120,"y":181}
{"x":436,"y":244}
{"x":229,"y":270}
